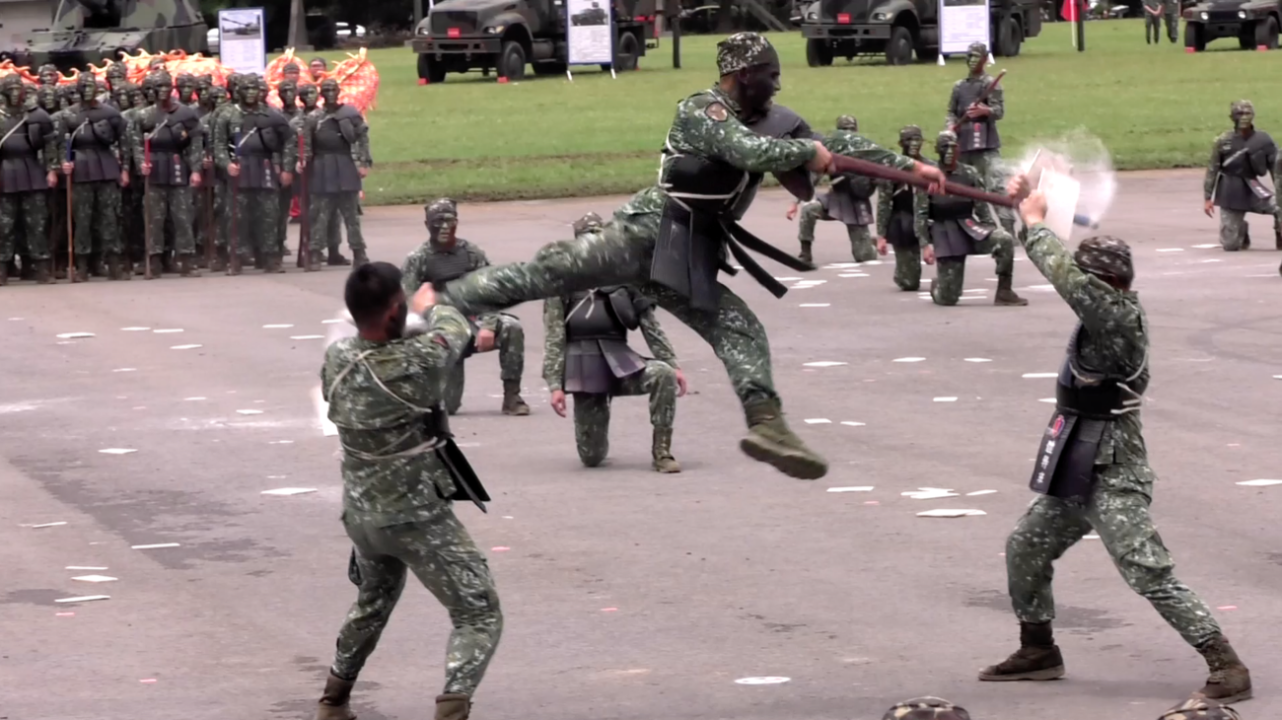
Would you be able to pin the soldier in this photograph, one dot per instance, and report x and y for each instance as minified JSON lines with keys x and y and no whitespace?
{"x":849,"y":201}
{"x":1092,"y":470}
{"x":222,"y":188}
{"x":650,"y":242}
{"x":317,"y":69}
{"x":1172,"y":8}
{"x":116,"y":75}
{"x":309,"y":98}
{"x":49,"y":99}
{"x":950,"y":228}
{"x":975,"y":124}
{"x":1200,"y":709}
{"x":263,"y":161}
{"x":49,"y":75}
{"x":28,"y":159}
{"x":896,"y":219}
{"x":1153,"y":22}
{"x":95,"y":133}
{"x":1239,"y":158}
{"x":926,"y":708}
{"x":211,"y":97}
{"x":173,"y":169}
{"x":337,"y":147}
{"x":291,"y":72}
{"x":398,"y":487}
{"x":287,"y":92}
{"x":445,"y":257}
{"x":186,"y":85}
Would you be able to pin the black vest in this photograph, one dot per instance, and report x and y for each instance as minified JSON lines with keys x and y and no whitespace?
{"x":93,"y":132}
{"x":978,"y":133}
{"x":171,"y":133}
{"x":1242,"y":162}
{"x":446,"y":265}
{"x":24,"y":133}
{"x":603,"y":314}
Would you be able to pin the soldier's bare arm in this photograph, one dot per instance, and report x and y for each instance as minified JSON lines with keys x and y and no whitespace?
{"x":857,"y":146}
{"x":554,"y":343}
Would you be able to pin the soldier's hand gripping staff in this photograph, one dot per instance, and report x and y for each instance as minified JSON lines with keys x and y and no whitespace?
{"x":28,"y":159}
{"x":895,"y":216}
{"x":339,"y":158}
{"x":1240,"y":159}
{"x":95,"y":134}
{"x":849,"y":201}
{"x":949,"y":228}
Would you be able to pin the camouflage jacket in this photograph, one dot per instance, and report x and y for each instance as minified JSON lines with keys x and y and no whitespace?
{"x":229,"y":123}
{"x":370,"y":388}
{"x":360,"y":149}
{"x":956,"y":110}
{"x":852,"y":144}
{"x":921,"y":205}
{"x":414,"y":272}
{"x":885,"y":198}
{"x":554,"y":343}
{"x":1114,"y":337}
{"x":136,"y":145}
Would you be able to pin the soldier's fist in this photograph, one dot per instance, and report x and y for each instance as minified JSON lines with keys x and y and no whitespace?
{"x":234,"y":169}
{"x":124,"y":178}
{"x":68,"y":167}
{"x":881,"y":246}
{"x":1209,"y":208}
{"x":484,"y":340}
{"x":1033,"y":208}
{"x":363,"y":172}
{"x":53,"y":178}
{"x":558,"y":402}
{"x":928,"y":254}
{"x":821,"y":161}
{"x":286,"y":179}
{"x":196,"y":180}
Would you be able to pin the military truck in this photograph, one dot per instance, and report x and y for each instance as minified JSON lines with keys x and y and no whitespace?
{"x":1253,"y":23}
{"x":505,"y":35}
{"x":900,"y":28}
{"x":89,"y":31}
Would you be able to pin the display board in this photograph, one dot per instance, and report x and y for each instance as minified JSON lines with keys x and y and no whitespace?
{"x":242,"y":40}
{"x":962,"y":22}
{"x":589,"y":32}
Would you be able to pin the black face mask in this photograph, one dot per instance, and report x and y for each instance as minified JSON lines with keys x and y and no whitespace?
{"x":758,"y":85}
{"x":396,"y":326}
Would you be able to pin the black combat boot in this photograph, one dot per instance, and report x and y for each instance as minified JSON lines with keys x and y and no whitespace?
{"x":113,"y":267}
{"x":260,"y":261}
{"x":1230,"y":681}
{"x":157,"y":264}
{"x":274,"y":265}
{"x":234,"y":264}
{"x":220,"y":261}
{"x":333,"y":702}
{"x":453,"y":706}
{"x":4,"y":274}
{"x":1277,"y":237}
{"x":169,"y":263}
{"x":81,"y":273}
{"x":1005,"y":295}
{"x":43,"y":276}
{"x":336,"y":258}
{"x":315,"y":260}
{"x":359,"y":257}
{"x":98,"y":268}
{"x":662,"y":451}
{"x":1038,"y":657}
{"x":28,"y":269}
{"x":512,"y":402}
{"x":1246,"y":240}
{"x":805,"y":255}
{"x":187,"y":266}
{"x":770,"y":441}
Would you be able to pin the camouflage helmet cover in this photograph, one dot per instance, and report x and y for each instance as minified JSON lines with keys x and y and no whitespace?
{"x":909,"y":132}
{"x":116,"y":70}
{"x":977,"y":49}
{"x":590,"y":222}
{"x":1241,"y":107}
{"x":87,"y":83}
{"x":329,"y":85}
{"x":847,"y":122}
{"x":1105,"y":255}
{"x":441,"y":209}
{"x":946,"y":139}
{"x":744,"y":50}
{"x":926,"y":708}
{"x":10,"y":81}
{"x":1200,"y":709}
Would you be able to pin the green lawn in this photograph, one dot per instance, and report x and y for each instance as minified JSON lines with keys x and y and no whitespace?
{"x":471,"y":138}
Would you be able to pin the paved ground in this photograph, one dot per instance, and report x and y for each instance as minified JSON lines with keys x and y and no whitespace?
{"x":627,"y":594}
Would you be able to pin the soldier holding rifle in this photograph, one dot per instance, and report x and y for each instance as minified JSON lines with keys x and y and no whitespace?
{"x":974,"y":108}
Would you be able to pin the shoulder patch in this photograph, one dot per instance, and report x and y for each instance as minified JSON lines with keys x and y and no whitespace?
{"x":717,"y":112}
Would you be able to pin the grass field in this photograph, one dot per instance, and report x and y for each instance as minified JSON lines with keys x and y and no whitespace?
{"x":471,"y":138}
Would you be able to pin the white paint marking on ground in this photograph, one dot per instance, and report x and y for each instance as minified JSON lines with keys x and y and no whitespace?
{"x":824,"y":363}
{"x":853,"y":275}
{"x":977,"y":360}
{"x":1039,"y":288}
{"x":118,"y":451}
{"x":249,"y":412}
{"x":1047,"y":400}
{"x":185,"y":347}
{"x":281,"y":442}
{"x":95,"y":578}
{"x":908,"y":359}
{"x":817,"y":421}
{"x":48,"y":525}
{"x":277,"y":326}
{"x":788,"y":279}
{"x":946,"y":513}
{"x":1260,"y":483}
{"x":74,"y":335}
{"x":1092,"y":536}
{"x":1211,"y":260}
{"x":167,"y":331}
{"x":1207,"y":246}
{"x":135,"y":328}
{"x":125,"y":370}
{"x":84,"y":567}
{"x":306,"y":337}
{"x":945,"y":399}
{"x":1034,"y":376}
{"x":929,"y":493}
{"x":852,"y":423}
{"x":862,"y":488}
{"x":195,"y":399}
{"x":289,"y":491}
{"x":816,"y":304}
{"x":870,"y":262}
{"x":980,"y":492}
{"x":332,"y":321}
{"x":976,"y":290}
{"x":153,"y":546}
{"x":762,"y":680}
{"x":1170,"y":249}
{"x":83,"y":598}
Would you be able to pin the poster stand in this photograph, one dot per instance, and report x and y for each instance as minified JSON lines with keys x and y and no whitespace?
{"x":962,"y":22}
{"x":242,"y":40}
{"x":589,"y":35}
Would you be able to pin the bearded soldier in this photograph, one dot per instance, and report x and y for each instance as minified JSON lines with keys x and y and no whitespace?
{"x":673,"y":239}
{"x":95,"y":133}
{"x":338,"y":155}
{"x":445,"y":257}
{"x":287,"y":92}
{"x":896,"y":217}
{"x":849,"y":201}
{"x":173,"y":169}
{"x":1239,"y":159}
{"x":1092,"y":470}
{"x":28,"y":158}
{"x":973,"y":118}
{"x":254,"y":145}
{"x":401,"y":473}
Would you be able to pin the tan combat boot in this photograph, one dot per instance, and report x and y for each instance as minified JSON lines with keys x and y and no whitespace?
{"x":453,"y":706}
{"x":770,"y":441}
{"x":662,"y":451}
{"x":1038,"y":657}
{"x":1005,"y":295}
{"x":1230,"y":681}
{"x":512,"y":402}
{"x":333,"y":702}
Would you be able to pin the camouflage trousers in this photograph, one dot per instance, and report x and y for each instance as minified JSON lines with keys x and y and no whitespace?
{"x":1173,"y":25}
{"x":509,"y":340}
{"x":26,"y":213}
{"x":862,"y":247}
{"x":173,"y":203}
{"x":324,"y":213}
{"x":222,"y":214}
{"x":1118,"y":510}
{"x":1152,"y":28}
{"x":1233,"y":225}
{"x":592,"y":410}
{"x":989,"y":165}
{"x":205,"y":209}
{"x":256,"y":212}
{"x":908,"y":268}
{"x":621,"y":255}
{"x":950,"y":272}
{"x":96,"y":207}
{"x":282,"y":214}
{"x":443,"y":557}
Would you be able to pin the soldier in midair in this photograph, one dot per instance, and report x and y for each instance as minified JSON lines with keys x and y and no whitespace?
{"x":338,"y":154}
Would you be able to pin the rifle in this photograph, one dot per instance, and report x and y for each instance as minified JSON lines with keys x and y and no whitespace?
{"x":843,"y":164}
{"x":146,"y":208}
{"x":982,"y":97}
{"x":304,"y":226}
{"x":233,"y":257}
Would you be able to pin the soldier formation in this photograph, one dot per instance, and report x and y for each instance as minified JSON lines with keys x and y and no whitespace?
{"x":115,"y":179}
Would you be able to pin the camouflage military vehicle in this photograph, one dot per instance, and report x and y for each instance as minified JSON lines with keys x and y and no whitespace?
{"x":504,"y":35}
{"x":900,"y":28}
{"x":89,"y":31}
{"x":1254,"y":23}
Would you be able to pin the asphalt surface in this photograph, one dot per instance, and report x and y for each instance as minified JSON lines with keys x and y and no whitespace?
{"x":628,"y":594}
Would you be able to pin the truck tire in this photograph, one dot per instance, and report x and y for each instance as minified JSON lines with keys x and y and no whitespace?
{"x":511,"y":61}
{"x":1008,"y":38}
{"x":899,"y":49}
{"x":1266,"y":33}
{"x":818,"y":54}
{"x":1194,"y":36}
{"x":432,"y":72}
{"x":627,"y":51}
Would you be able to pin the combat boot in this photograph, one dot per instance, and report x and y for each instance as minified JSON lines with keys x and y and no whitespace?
{"x":1277,"y":237}
{"x":81,"y":273}
{"x":187,"y":266}
{"x":333,"y":702}
{"x":1005,"y":295}
{"x":113,"y":267}
{"x":43,"y":276}
{"x":662,"y":452}
{"x":157,"y":265}
{"x":234,"y":264}
{"x":771,"y":441}
{"x":336,"y":258}
{"x":453,"y":706}
{"x":28,"y":269}
{"x":99,"y":266}
{"x":359,"y":258}
{"x":1038,"y":657}
{"x":4,"y":274}
{"x":169,"y":263}
{"x":1230,"y":681}
{"x":805,"y":256}
{"x":260,"y":261}
{"x":1246,"y":240}
{"x":512,"y":402}
{"x":315,"y":261}
{"x":220,"y":261}
{"x":274,"y":265}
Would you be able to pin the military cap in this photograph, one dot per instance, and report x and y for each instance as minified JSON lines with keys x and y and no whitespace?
{"x":1239,"y":107}
{"x":590,"y":222}
{"x":909,"y":132}
{"x":946,"y":138}
{"x":744,"y":50}
{"x":1200,"y":709}
{"x":1105,"y":255}
{"x":977,"y":48}
{"x":926,"y":708}
{"x":441,"y":208}
{"x":847,"y":122}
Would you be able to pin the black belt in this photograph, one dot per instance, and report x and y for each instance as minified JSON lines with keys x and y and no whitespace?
{"x":1096,"y":402}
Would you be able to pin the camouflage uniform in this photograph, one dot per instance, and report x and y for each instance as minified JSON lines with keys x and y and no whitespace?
{"x":847,"y":201}
{"x":133,"y":214}
{"x":926,"y":708}
{"x":895,"y":216}
{"x":952,"y":226}
{"x":1239,"y":158}
{"x":1153,"y":22}
{"x":222,"y":181}
{"x":287,"y":91}
{"x":308,"y":97}
{"x":394,"y":509}
{"x":96,"y":133}
{"x":212,"y":97}
{"x":337,"y":147}
{"x":439,"y":263}
{"x":978,"y":138}
{"x":28,"y":153}
{"x":49,"y":98}
{"x":1100,"y":478}
{"x":1172,"y":8}
{"x":1200,"y":709}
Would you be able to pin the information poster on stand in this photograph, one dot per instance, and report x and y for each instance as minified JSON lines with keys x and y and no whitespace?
{"x":242,"y":40}
{"x":589,"y":33}
{"x":962,"y":22}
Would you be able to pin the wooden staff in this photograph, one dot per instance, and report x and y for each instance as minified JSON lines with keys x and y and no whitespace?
{"x":843,"y":164}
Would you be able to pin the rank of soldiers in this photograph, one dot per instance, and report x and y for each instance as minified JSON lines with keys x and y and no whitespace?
{"x":114,"y":179}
